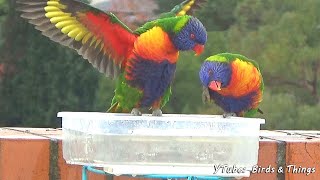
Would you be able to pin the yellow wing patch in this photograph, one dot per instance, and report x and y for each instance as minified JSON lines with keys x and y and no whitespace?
{"x":69,"y":25}
{"x":186,"y":8}
{"x":68,"y":22}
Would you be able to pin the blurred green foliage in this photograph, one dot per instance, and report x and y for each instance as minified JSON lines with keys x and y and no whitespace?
{"x":43,"y":78}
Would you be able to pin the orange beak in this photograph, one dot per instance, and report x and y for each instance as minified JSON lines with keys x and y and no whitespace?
{"x":215,"y":85}
{"x":198,"y":49}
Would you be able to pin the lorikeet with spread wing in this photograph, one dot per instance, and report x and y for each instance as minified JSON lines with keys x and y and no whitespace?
{"x":143,"y":61}
{"x":233,"y":82}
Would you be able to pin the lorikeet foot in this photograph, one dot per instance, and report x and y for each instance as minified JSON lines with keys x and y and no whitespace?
{"x":205,"y":94}
{"x":136,"y":112}
{"x":225,"y":115}
{"x":157,"y":112}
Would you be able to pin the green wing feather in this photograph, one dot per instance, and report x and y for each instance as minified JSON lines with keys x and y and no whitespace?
{"x":166,"y":97}
{"x":174,"y":19}
{"x":169,"y":25}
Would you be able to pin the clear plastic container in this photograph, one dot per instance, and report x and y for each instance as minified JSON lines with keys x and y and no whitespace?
{"x":151,"y":144}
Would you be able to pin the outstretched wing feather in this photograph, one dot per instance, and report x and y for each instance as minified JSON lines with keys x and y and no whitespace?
{"x":189,"y":7}
{"x":99,"y":37}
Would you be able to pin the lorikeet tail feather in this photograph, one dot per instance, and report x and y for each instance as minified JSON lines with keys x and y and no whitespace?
{"x":116,"y":108}
{"x":113,"y":108}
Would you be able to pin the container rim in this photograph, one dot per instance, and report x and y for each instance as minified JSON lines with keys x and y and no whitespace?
{"x":164,"y":117}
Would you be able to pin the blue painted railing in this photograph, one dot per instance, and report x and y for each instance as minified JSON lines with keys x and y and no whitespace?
{"x":85,"y":170}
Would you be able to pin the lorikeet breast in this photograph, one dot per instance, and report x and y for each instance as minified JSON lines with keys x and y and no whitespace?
{"x":150,"y":69}
{"x":245,"y":78}
{"x":244,"y":86}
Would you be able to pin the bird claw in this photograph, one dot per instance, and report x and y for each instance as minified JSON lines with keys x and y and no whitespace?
{"x":157,"y":112}
{"x":225,"y":115}
{"x":205,"y":94}
{"x":136,"y":112}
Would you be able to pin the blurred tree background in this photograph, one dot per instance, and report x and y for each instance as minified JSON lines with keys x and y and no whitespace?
{"x":39,"y":78}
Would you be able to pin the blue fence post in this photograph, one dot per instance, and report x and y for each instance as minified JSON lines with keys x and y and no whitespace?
{"x":84,"y":173}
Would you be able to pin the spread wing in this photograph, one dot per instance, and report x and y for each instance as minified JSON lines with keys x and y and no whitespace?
{"x":99,"y":37}
{"x":187,"y":7}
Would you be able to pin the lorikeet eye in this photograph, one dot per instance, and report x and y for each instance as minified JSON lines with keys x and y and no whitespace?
{"x":192,"y":36}
{"x":216,"y":83}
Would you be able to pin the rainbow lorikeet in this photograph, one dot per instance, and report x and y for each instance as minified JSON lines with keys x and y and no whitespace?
{"x":233,"y":82}
{"x":143,"y":61}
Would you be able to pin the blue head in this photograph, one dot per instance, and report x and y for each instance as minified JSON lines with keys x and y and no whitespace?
{"x":192,"y":36}
{"x":215,"y":75}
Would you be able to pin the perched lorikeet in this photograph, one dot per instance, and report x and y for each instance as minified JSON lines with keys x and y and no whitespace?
{"x":233,"y":82}
{"x":142,"y":61}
